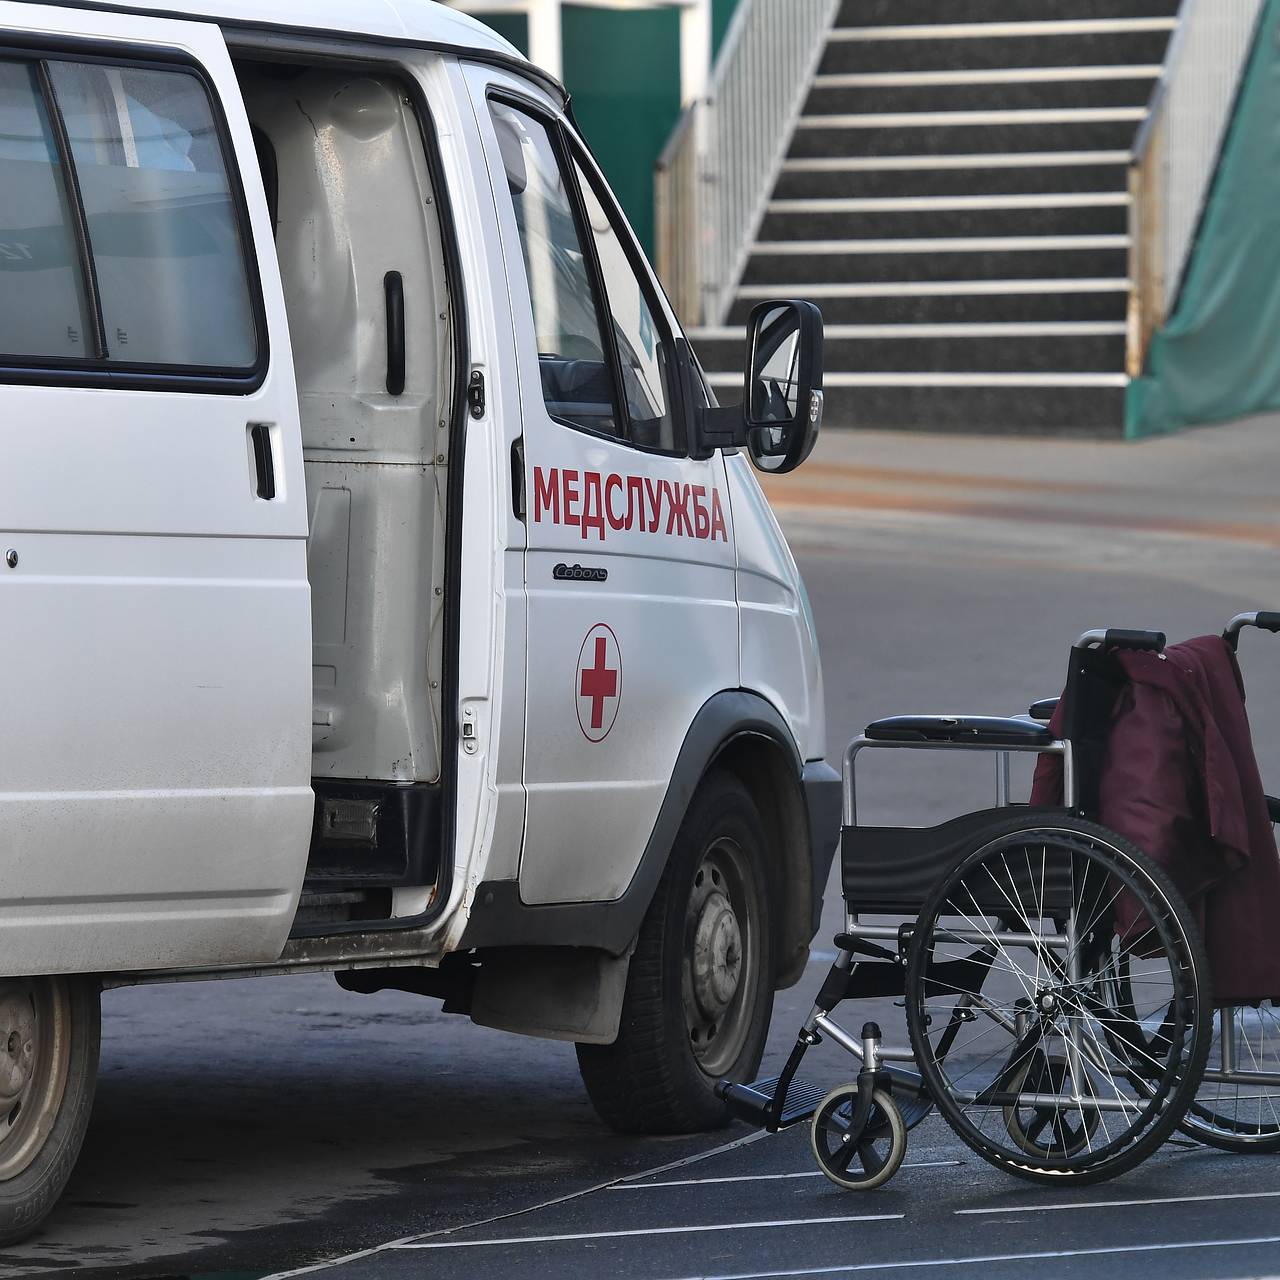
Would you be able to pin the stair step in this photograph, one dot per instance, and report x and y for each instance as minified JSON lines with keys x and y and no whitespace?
{"x":974,"y":257}
{"x":966,"y":133}
{"x":897,"y":176}
{"x":1052,"y":347}
{"x":964,"y":302}
{"x":912,"y":218}
{"x":1049,"y":406}
{"x":833,"y":95}
{"x":955,"y":199}
{"x":999,"y":46}
{"x":866,"y":13}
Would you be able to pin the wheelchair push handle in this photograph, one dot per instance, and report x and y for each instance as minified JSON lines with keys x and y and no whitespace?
{"x":1263,"y":621}
{"x":1118,"y":638}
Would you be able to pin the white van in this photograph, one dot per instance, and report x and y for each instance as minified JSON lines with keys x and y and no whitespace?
{"x":380,"y":589}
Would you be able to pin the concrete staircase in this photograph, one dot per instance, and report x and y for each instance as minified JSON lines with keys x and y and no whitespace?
{"x":955,"y":199}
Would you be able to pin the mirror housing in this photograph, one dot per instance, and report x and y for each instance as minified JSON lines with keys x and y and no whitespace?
{"x":781,"y":414}
{"x":784,"y":400}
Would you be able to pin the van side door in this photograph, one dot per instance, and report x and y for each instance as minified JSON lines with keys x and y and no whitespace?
{"x":155,"y":694}
{"x":632,"y":620}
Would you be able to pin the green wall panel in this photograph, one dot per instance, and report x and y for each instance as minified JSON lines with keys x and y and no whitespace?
{"x":623,"y":70}
{"x":512,"y":26}
{"x":1218,"y":357}
{"x":721,"y":15}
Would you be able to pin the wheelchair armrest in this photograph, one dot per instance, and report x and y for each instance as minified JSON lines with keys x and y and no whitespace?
{"x":1043,"y":710}
{"x":993,"y":731}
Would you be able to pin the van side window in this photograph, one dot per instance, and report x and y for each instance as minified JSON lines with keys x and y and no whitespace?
{"x":161,"y":218}
{"x":43,"y":309}
{"x":121,"y":242}
{"x":642,"y":356}
{"x":577,"y":383}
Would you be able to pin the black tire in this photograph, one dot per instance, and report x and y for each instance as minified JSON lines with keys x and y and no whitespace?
{"x":870,"y":1159}
{"x":658,"y":1075}
{"x":49,"y":1067}
{"x":1243,"y":1119}
{"x":972,"y":1029}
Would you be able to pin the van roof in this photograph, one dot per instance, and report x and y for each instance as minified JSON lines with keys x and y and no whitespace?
{"x":414,"y":22}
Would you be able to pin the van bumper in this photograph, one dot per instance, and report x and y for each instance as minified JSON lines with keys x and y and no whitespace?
{"x":822,"y":800}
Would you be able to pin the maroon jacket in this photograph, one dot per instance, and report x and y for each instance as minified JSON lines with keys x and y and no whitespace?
{"x":1181,"y":781}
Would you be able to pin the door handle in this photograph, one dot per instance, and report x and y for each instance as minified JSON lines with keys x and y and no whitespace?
{"x":264,"y":464}
{"x":393,"y":288}
{"x":517,"y":477}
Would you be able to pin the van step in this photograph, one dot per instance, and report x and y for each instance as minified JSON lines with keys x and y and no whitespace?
{"x":752,"y":1102}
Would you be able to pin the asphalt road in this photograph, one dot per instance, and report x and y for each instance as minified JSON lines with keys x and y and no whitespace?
{"x":246,"y":1128}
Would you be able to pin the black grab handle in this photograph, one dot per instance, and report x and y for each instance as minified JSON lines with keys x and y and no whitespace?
{"x":1263,"y":621}
{"x":1151,"y":641}
{"x":393,"y":286}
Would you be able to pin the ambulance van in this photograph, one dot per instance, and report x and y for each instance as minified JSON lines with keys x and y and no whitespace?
{"x":382,"y":590}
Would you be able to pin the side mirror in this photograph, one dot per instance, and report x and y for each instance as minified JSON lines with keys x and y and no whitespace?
{"x":784,"y":402}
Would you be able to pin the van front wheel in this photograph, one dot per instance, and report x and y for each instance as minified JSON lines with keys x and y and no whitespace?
{"x":49,"y":1031}
{"x":700,"y":987}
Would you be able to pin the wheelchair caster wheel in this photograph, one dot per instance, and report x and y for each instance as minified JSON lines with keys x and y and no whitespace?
{"x":1050,"y":1131}
{"x":858,"y":1161}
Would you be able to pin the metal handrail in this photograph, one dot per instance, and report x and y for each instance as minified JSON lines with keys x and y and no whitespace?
{"x":715,"y":175}
{"x":1175,"y":156}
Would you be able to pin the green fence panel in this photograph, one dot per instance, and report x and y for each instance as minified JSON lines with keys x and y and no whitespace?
{"x":1218,"y":356}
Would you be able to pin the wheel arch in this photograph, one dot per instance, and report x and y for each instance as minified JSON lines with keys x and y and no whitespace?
{"x":734,"y":729}
{"x":772,"y":774}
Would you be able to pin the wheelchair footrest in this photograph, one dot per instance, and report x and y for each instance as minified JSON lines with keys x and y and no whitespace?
{"x":754,"y":1102}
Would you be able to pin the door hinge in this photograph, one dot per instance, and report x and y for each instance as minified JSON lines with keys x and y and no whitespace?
{"x":475,"y":394}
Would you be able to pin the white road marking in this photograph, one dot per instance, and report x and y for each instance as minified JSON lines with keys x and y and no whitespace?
{"x":370,"y":1252}
{"x":652,"y":1231}
{"x":942,"y":204}
{"x":986,"y":30}
{"x":987,"y":1259}
{"x":762,"y":1177}
{"x":948,"y":119}
{"x":932,"y":288}
{"x":983,"y":75}
{"x":1117,"y":1204}
{"x":990,"y":160}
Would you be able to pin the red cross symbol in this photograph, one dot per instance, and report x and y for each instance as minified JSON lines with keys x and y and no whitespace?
{"x":599,"y":683}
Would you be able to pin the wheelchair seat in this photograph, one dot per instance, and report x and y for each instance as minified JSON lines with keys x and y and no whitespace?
{"x":990,"y":731}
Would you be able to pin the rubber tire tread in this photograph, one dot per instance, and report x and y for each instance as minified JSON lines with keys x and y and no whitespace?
{"x":648,"y":1081}
{"x":25,"y":1201}
{"x":1185,"y":922}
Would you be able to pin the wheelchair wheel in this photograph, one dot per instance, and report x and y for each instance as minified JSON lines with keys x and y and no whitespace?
{"x":858,"y":1162}
{"x":1243,"y":1117}
{"x":1013,"y":1008}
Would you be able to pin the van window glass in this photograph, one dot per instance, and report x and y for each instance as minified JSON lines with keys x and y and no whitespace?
{"x":161,"y":217}
{"x":42,"y":302}
{"x":642,"y":354}
{"x":577,"y":383}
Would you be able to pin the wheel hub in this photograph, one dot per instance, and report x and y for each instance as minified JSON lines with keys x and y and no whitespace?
{"x":717,"y":955}
{"x":17,"y":1045}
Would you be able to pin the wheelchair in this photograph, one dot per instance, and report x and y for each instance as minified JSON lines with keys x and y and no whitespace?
{"x":1056,"y":988}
